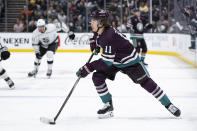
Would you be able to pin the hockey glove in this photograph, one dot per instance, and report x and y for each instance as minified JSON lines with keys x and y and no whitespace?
{"x":71,"y":35}
{"x":85,"y":70}
{"x":5,"y":54}
{"x":36,"y":48}
{"x":148,"y":26}
{"x":94,"y":47}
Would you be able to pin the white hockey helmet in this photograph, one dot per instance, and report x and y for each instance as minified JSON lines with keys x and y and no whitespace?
{"x":40,"y":22}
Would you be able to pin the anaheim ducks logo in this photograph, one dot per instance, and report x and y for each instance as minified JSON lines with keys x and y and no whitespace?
{"x":140,"y":27}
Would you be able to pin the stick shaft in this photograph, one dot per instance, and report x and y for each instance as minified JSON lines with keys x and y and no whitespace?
{"x":70,"y":93}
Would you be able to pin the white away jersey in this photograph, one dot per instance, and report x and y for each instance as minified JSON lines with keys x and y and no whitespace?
{"x":46,"y":38}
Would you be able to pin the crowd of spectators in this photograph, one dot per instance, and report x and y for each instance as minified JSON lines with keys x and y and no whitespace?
{"x":75,"y":13}
{"x":2,"y":9}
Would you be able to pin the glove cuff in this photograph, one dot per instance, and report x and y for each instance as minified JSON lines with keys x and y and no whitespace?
{"x":88,"y":68}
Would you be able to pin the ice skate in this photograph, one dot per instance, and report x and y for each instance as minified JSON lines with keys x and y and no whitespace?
{"x":10,"y":83}
{"x":33,"y":73}
{"x":106,"y":111}
{"x":49,"y":73}
{"x":174,"y":110}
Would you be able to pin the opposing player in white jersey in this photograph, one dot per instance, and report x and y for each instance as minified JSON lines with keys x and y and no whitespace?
{"x":4,"y":55}
{"x":45,"y":41}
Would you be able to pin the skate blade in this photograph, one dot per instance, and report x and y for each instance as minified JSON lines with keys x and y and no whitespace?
{"x":48,"y":77}
{"x":47,"y":120}
{"x":107,"y":115}
{"x":33,"y":76}
{"x":12,"y":88}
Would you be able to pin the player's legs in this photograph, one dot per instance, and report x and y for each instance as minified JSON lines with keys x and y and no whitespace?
{"x":144,"y":50}
{"x":139,"y":74}
{"x":193,"y":42}
{"x":101,"y":87}
{"x":138,"y":46}
{"x":7,"y":79}
{"x":37,"y":62}
{"x":50,"y":58}
{"x":49,"y":63}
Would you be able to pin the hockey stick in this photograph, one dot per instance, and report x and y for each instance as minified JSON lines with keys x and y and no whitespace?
{"x":52,"y":121}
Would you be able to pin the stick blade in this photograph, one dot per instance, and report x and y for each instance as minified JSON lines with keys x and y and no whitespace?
{"x":47,"y":120}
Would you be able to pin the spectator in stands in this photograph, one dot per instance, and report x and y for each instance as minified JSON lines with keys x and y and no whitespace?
{"x":79,"y":25}
{"x":40,"y":12}
{"x":114,"y":23}
{"x":44,"y":15}
{"x":72,"y":7}
{"x":190,"y":13}
{"x":38,"y":9}
{"x":32,"y":25}
{"x":50,"y":11}
{"x":53,"y":19}
{"x":43,"y":5}
{"x":143,"y":7}
{"x":35,"y":15}
{"x":130,"y":4}
{"x":19,"y":26}
{"x":113,"y":8}
{"x":32,"y":5}
{"x":71,"y":21}
{"x":24,"y":11}
{"x":81,"y":8}
{"x":39,"y":1}
{"x":1,"y":7}
{"x":62,"y":17}
{"x":162,"y":25}
{"x":121,"y":27}
{"x":126,"y":12}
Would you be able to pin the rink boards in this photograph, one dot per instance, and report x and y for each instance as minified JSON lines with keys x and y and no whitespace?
{"x":157,"y":43}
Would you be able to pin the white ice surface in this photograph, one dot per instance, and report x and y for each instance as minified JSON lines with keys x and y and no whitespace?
{"x":134,"y":108}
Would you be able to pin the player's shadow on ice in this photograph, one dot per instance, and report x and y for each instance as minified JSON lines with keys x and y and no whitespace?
{"x":148,"y":118}
{"x":118,"y":118}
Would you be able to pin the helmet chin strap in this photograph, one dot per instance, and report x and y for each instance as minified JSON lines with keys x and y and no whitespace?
{"x":98,"y":28}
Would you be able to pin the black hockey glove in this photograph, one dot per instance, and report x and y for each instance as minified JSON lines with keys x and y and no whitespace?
{"x":93,"y":46}
{"x":5,"y":54}
{"x":148,"y":26}
{"x":71,"y":35}
{"x":85,"y":70}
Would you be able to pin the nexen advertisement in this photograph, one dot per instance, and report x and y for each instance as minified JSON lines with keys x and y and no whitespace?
{"x":24,"y":40}
{"x":16,"y":40}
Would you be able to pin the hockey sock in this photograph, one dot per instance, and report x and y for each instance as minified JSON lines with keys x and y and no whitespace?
{"x":4,"y":75}
{"x":50,"y":65}
{"x":156,"y":91}
{"x":143,"y":56}
{"x":165,"y":100}
{"x":50,"y":59}
{"x":106,"y":98}
{"x":37,"y":63}
{"x":103,"y":92}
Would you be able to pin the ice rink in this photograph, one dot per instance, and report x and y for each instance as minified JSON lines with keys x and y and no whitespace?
{"x":134,"y":108}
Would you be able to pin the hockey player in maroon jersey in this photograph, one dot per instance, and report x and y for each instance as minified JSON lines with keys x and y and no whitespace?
{"x":118,"y":55}
{"x":139,"y":25}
